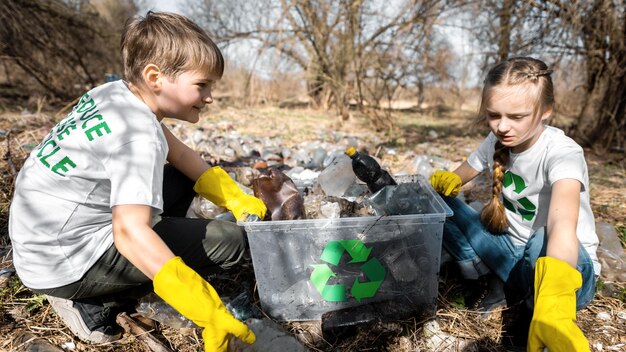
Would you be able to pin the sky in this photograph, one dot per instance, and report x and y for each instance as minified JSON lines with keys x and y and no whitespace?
{"x":456,"y":37}
{"x":166,"y":5}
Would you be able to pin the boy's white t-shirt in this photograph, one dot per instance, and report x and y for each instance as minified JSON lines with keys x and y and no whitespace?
{"x":110,"y":150}
{"x":528,"y":181}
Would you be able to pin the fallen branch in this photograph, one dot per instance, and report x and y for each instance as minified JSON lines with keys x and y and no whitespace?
{"x":142,"y":335}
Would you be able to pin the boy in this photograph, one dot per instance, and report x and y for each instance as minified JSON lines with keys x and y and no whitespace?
{"x":96,"y":217}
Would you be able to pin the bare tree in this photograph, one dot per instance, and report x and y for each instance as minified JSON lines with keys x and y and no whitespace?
{"x":354,"y":52}
{"x":61,"y":46}
{"x":560,"y":31}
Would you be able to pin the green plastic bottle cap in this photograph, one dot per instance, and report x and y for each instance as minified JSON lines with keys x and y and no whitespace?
{"x":350,"y":152}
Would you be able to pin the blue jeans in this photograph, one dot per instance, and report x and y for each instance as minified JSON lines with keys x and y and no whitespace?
{"x":478,"y":252}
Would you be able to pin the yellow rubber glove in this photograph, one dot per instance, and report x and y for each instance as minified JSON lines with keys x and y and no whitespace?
{"x":446,"y":182}
{"x":188,"y":293}
{"x":218,"y":187}
{"x":554,"y":318}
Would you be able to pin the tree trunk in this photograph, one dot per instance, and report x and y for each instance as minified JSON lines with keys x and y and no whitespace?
{"x":504,"y":41}
{"x":602,"y":122}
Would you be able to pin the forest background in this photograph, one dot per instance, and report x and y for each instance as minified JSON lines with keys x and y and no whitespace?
{"x":376,"y":66}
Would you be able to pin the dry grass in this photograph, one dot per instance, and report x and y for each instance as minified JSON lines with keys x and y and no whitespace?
{"x":22,"y":312}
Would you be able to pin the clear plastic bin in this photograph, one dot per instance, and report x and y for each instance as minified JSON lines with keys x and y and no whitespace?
{"x":305,"y":268}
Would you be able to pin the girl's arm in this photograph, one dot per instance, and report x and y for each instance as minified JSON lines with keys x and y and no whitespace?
{"x":135,"y":239}
{"x":183,"y":158}
{"x":562,"y":221}
{"x":466,"y":172}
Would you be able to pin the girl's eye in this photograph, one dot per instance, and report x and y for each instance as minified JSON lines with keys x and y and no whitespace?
{"x":493,"y":116}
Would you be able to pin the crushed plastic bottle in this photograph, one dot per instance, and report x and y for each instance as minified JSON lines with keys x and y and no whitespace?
{"x":402,"y":199}
{"x":241,"y":307}
{"x":153,"y":307}
{"x":369,"y":171}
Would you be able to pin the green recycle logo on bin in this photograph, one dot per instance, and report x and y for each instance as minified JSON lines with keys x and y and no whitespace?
{"x":332,"y":253}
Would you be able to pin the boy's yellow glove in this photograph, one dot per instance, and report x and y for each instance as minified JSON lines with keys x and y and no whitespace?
{"x":188,"y":293}
{"x":446,"y":182}
{"x":554,"y":318}
{"x":218,"y":187}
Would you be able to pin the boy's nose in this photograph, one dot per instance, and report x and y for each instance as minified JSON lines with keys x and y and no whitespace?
{"x":208,"y":99}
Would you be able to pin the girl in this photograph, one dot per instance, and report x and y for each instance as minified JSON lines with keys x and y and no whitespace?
{"x":537,"y":231}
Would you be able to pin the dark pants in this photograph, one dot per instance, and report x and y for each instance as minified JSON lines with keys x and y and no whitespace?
{"x":207,"y":246}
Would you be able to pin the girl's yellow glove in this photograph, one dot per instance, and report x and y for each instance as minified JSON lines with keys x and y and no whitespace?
{"x":554,"y":318}
{"x":186,"y":291}
{"x":446,"y":183}
{"x":219,"y":188}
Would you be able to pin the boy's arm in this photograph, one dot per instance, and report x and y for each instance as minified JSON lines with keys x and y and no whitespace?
{"x":183,"y":158}
{"x":176,"y":283}
{"x":213,"y":183}
{"x":135,"y":239}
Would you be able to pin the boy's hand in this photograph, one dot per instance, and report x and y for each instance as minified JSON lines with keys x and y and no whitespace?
{"x":218,"y":187}
{"x":193,"y":297}
{"x":554,"y":318}
{"x":446,"y":183}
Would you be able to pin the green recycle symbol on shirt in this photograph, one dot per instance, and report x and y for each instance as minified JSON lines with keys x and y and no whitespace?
{"x":527,"y":209}
{"x":332,"y":253}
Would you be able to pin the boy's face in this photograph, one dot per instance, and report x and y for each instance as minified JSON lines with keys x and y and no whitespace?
{"x":184,"y":97}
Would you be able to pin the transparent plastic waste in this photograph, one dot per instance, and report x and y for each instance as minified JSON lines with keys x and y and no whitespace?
{"x":153,"y":307}
{"x":403,"y":199}
{"x":330,"y":210}
{"x":202,"y":208}
{"x":269,"y":337}
{"x":610,"y":253}
{"x":337,"y":177}
{"x":422,"y":166}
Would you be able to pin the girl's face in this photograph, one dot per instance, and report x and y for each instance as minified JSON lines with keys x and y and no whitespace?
{"x":184,"y":97}
{"x":509,"y":112}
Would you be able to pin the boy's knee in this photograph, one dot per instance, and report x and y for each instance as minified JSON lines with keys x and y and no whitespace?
{"x":225,"y":243}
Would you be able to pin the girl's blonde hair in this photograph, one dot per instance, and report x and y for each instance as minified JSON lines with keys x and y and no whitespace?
{"x":172,"y":42}
{"x":515,"y":71}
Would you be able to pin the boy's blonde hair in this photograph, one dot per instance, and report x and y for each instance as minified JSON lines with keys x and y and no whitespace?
{"x":172,"y":42}
{"x":535,"y":75}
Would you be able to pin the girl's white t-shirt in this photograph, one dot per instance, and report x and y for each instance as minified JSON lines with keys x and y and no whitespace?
{"x":110,"y":150}
{"x":528,"y":181}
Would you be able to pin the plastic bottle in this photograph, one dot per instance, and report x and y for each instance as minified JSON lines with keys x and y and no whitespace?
{"x":337,"y":177}
{"x":369,"y":171}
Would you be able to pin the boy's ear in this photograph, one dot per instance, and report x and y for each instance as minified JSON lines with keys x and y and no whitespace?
{"x":152,"y":75}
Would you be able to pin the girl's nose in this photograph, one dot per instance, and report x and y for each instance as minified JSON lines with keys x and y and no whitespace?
{"x":504,"y":125}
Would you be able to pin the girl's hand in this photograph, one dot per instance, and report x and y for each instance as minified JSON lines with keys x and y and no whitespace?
{"x":554,"y":318}
{"x":446,"y":183}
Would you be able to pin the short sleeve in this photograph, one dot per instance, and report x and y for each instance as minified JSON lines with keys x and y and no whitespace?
{"x":479,"y":159}
{"x":568,"y":162}
{"x":135,"y":170}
